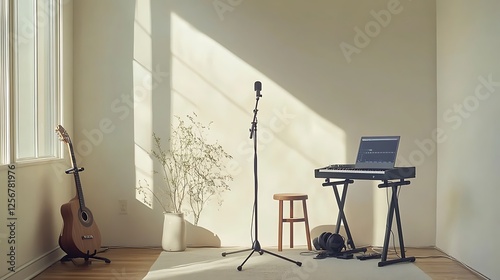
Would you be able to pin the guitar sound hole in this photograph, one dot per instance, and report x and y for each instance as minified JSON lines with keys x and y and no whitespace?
{"x":84,"y":216}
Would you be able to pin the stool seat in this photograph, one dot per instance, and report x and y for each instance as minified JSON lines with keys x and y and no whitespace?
{"x":291,"y":197}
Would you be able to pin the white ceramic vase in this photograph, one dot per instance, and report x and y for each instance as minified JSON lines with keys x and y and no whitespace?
{"x":174,"y":232}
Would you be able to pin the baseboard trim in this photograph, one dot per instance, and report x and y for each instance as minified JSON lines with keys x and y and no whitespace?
{"x":35,"y":266}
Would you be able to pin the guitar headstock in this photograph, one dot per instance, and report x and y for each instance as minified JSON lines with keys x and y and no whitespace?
{"x":63,"y":134}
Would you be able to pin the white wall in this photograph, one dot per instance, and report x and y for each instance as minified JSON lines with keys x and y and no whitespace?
{"x":316,"y":104}
{"x":213,"y":57}
{"x":468,"y":101}
{"x":41,"y":189}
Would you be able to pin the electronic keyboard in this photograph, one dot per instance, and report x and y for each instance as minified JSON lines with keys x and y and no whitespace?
{"x":349,"y":171}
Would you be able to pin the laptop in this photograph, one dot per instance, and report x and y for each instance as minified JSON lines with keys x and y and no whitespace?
{"x":377,"y":152}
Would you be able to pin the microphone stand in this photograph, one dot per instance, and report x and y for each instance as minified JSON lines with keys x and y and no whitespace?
{"x":253,"y":135}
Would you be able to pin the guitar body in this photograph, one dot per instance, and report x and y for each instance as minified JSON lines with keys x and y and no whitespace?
{"x":80,"y":236}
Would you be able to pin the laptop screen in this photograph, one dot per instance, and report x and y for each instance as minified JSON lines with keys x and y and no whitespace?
{"x":377,"y":152}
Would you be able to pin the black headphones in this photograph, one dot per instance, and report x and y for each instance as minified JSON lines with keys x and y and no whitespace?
{"x":332,"y":242}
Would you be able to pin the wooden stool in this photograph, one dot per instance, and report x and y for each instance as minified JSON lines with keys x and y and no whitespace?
{"x":291,"y":197}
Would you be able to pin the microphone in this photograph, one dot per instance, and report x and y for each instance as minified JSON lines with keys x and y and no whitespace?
{"x":258,"y":87}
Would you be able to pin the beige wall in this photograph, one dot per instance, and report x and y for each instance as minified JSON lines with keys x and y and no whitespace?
{"x":331,"y":72}
{"x":468,"y":102}
{"x":317,"y":102}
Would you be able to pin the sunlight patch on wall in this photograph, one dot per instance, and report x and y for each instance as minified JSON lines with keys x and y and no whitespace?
{"x":142,"y":94}
{"x":293,"y":140}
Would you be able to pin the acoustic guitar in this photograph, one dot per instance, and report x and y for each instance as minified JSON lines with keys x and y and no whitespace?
{"x":80,"y":236}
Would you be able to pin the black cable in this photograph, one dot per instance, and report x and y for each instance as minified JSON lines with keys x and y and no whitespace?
{"x":252,"y":222}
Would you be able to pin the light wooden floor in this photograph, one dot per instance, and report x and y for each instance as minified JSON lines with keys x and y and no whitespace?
{"x":134,"y":263}
{"x":126,"y":263}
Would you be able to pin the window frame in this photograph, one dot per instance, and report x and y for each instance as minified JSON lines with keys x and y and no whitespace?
{"x":5,"y":66}
{"x":53,"y":15}
{"x":10,"y":101}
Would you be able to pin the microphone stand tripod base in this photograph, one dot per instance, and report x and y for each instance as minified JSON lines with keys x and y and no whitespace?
{"x":256,"y":248}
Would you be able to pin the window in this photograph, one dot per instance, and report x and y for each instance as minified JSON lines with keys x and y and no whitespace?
{"x":4,"y":82}
{"x":31,"y":99}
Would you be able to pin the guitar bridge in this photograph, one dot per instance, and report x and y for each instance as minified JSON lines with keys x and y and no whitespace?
{"x":85,"y":237}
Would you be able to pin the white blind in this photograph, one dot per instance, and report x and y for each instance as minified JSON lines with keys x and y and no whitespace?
{"x":36,"y":67}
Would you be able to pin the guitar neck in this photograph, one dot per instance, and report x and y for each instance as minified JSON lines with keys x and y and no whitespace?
{"x":79,"y":190}
{"x":76,"y":171}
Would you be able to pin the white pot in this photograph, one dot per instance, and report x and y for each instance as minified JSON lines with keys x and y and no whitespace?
{"x":174,"y":232}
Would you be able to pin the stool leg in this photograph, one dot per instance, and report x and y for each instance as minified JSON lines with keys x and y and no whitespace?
{"x":280,"y":226}
{"x":306,"y":220}
{"x":291,"y":224}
